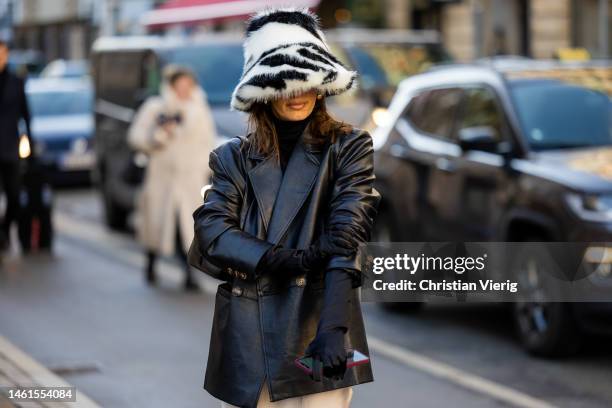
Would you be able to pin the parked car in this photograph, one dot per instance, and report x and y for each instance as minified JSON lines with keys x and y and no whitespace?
{"x":128,"y":70}
{"x":66,"y":69}
{"x":473,"y":153}
{"x":62,"y":127}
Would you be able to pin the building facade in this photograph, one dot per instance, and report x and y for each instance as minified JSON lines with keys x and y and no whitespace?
{"x":535,"y":28}
{"x":58,"y":28}
{"x":67,"y":28}
{"x":479,"y":28}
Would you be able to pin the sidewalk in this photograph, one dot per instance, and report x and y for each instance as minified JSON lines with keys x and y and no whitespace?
{"x":19,"y":369}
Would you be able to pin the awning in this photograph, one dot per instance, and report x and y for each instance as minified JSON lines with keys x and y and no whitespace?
{"x":194,"y":11}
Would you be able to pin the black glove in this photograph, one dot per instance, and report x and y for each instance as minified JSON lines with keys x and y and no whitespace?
{"x":328,"y":345}
{"x":295,"y":262}
{"x":282,"y":261}
{"x":337,"y":241}
{"x":328,"y":349}
{"x":333,"y":242}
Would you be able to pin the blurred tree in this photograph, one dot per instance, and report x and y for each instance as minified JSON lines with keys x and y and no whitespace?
{"x":368,"y":13}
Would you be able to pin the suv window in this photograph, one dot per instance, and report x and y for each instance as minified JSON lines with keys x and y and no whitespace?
{"x":400,"y":60}
{"x":434,"y":111}
{"x":217,"y":66}
{"x":480,"y":110}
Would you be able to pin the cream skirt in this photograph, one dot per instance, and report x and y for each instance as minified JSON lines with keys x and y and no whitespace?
{"x":340,"y":398}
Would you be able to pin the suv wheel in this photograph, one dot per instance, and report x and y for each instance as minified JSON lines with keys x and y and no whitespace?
{"x":546,"y":329}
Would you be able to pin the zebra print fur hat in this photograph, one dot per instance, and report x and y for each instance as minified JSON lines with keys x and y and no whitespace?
{"x":285,"y":54}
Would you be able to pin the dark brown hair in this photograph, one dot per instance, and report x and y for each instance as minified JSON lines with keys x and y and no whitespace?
{"x":322,"y":127}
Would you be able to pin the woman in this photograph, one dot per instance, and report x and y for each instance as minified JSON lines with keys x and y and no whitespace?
{"x":286,"y":214}
{"x":175,"y":130}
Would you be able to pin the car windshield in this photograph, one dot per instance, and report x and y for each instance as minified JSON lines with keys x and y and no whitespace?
{"x":55,"y":103}
{"x":555,"y":114}
{"x":218,"y":68}
{"x":372,"y":75}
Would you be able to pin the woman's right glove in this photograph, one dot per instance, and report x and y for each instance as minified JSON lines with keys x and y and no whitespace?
{"x":289,"y":262}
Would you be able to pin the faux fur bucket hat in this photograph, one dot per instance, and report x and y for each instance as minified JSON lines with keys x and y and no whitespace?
{"x":285,"y":53}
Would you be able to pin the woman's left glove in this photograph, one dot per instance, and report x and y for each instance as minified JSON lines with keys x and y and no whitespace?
{"x":328,"y":348}
{"x":328,"y":345}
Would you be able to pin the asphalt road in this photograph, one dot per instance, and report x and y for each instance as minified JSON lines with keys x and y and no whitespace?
{"x":85,"y":313}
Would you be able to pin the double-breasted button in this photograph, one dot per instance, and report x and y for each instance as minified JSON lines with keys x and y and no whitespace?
{"x":243,"y":275}
{"x":301,"y":281}
{"x":236,"y":291}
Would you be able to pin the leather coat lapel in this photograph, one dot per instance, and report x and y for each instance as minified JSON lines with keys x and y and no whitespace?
{"x":265,"y":177}
{"x":299,"y":177}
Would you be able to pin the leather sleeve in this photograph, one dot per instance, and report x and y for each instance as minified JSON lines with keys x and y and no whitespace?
{"x":336,"y":310}
{"x":354,"y":201}
{"x":217,"y":221}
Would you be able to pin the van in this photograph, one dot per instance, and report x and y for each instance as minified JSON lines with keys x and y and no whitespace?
{"x":126,"y":71}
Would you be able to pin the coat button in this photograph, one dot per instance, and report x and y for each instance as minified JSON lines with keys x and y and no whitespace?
{"x":301,"y":281}
{"x":243,"y":275}
{"x":236,"y":291}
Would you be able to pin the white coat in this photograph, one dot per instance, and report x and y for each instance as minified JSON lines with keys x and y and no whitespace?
{"x":177,"y":168}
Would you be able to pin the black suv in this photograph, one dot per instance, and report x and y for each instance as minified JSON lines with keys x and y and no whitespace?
{"x":522,"y":153}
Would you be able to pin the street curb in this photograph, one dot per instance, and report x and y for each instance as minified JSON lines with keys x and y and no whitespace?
{"x":37,"y":373}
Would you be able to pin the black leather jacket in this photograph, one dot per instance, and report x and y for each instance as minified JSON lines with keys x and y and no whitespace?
{"x":260,"y":327}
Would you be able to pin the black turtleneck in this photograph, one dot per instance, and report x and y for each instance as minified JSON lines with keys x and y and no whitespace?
{"x":288,"y":132}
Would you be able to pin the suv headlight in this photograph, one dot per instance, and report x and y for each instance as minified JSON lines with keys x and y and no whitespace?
{"x":597,"y":208}
{"x":380,"y":116}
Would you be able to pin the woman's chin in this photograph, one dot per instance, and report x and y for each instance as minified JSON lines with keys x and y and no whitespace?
{"x":301,"y":114}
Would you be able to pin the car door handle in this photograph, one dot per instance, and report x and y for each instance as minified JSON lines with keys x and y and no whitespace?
{"x":445,"y":165}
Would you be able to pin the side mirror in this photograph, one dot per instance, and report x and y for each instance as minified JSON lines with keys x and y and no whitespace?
{"x":481,"y":138}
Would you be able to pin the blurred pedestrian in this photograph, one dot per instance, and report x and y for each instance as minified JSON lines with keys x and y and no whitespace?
{"x":176,"y":131}
{"x":13,"y":108}
{"x":288,"y":208}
